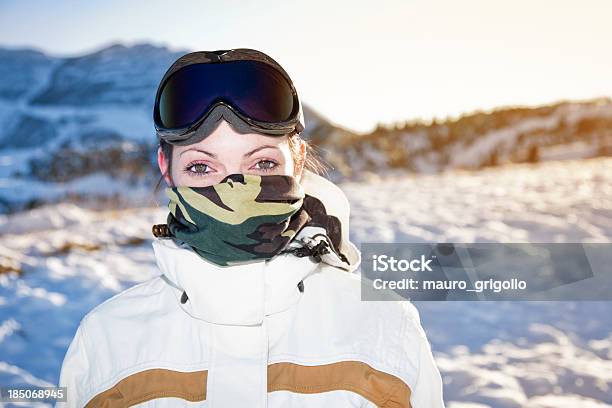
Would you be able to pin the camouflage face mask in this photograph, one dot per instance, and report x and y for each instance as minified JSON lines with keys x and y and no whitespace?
{"x":244,"y":217}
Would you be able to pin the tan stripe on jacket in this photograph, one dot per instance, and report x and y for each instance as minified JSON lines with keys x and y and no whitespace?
{"x":150,"y":384}
{"x":382,"y":389}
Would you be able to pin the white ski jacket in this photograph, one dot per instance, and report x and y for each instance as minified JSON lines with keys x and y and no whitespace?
{"x":252,"y":335}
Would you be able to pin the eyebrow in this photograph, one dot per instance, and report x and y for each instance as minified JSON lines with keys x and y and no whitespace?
{"x":214,"y":156}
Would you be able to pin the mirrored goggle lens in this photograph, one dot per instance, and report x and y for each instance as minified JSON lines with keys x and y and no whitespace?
{"x":254,"y":88}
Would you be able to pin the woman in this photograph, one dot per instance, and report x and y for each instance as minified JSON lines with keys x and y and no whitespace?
{"x":257,"y":304}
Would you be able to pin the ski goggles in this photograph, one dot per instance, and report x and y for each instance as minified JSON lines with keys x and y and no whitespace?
{"x":244,"y":86}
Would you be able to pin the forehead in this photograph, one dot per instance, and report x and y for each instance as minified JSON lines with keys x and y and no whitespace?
{"x":225,"y":139}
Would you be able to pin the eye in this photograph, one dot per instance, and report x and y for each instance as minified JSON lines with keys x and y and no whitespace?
{"x":266,"y":165}
{"x":197,"y":169}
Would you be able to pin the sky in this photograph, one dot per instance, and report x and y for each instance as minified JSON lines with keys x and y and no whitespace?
{"x":360,"y":63}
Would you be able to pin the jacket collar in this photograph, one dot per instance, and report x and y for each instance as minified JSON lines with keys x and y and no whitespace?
{"x":241,"y":294}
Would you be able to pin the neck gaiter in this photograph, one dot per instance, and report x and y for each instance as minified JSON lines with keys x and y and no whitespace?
{"x":244,"y":217}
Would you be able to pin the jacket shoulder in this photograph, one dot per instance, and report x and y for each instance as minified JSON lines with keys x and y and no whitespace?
{"x":139,"y":310}
{"x":137,"y":299}
{"x":343,"y":287}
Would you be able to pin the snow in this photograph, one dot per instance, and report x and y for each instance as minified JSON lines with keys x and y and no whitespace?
{"x":62,"y":260}
{"x":579,"y":149}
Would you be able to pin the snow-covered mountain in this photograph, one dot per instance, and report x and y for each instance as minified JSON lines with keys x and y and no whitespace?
{"x":80,"y":129}
{"x":57,"y":262}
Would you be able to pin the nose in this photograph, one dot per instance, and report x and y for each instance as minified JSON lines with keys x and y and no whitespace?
{"x":232,"y":170}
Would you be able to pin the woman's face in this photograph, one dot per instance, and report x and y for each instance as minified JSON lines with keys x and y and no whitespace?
{"x":225,"y":152}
